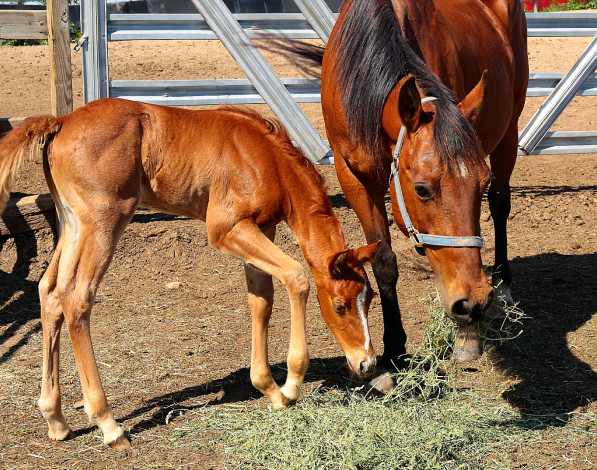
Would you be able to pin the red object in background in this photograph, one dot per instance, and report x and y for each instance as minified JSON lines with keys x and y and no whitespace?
{"x":542,"y":4}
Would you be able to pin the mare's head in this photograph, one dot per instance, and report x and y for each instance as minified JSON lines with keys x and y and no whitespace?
{"x":443,"y":175}
{"x":344,"y":295}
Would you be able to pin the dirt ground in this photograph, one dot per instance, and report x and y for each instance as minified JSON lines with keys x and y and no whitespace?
{"x":159,"y":348}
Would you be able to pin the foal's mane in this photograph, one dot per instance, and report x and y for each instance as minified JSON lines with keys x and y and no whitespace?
{"x":280,"y":136}
{"x":286,"y":150}
{"x":372,"y":56}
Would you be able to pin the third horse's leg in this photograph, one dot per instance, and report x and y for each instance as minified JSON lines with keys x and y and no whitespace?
{"x":503,"y":159}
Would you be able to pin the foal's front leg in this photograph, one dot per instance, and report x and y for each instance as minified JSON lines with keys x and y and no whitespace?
{"x":263,"y":259}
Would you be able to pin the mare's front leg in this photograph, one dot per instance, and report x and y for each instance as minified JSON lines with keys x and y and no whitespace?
{"x":263,"y":260}
{"x":502,"y":161}
{"x":368,"y":201}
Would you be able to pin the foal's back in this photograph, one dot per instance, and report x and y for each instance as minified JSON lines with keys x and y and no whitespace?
{"x":169,"y":159}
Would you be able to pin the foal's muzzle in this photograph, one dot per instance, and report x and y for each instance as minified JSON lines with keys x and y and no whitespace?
{"x":363,"y":368}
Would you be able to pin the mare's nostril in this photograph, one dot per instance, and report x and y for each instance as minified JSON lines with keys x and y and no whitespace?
{"x":363,"y":367}
{"x":460,"y":308}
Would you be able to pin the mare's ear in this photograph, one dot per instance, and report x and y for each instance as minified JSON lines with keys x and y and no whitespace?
{"x":364,"y":254}
{"x":409,"y":104}
{"x":337,"y":262}
{"x":471,"y":105}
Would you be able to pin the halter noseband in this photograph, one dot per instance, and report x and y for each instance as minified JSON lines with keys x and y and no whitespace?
{"x":419,"y":240}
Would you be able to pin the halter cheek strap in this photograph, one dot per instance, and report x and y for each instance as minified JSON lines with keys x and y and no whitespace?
{"x":419,"y":240}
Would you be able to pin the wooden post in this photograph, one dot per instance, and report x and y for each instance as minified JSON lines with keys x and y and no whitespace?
{"x":26,"y":214}
{"x":61,"y":88}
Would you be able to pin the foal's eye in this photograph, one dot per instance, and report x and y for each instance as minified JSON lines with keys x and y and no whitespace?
{"x":423,"y":190}
{"x":339,"y":306}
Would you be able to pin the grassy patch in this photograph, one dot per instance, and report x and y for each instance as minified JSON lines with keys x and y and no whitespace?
{"x":429,"y":421}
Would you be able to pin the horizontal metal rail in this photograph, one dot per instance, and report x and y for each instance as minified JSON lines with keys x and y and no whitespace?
{"x":209,"y":92}
{"x":542,"y":84}
{"x":128,"y":27}
{"x":562,"y":24}
{"x":241,"y":91}
{"x":565,"y":142}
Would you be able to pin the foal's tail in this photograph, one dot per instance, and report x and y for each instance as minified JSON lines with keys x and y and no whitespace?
{"x":28,"y":139}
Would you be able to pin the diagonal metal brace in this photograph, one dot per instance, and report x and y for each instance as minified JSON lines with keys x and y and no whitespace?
{"x":266,"y":82}
{"x":319,"y":15}
{"x":558,"y":99}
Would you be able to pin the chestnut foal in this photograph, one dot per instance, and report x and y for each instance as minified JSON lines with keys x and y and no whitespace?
{"x":229,"y":167}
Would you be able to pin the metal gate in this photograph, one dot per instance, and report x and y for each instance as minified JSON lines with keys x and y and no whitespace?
{"x":282,"y":95}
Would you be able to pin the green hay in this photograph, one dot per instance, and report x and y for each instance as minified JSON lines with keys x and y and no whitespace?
{"x":423,"y":423}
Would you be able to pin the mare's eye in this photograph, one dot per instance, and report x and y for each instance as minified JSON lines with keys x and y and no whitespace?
{"x":423,"y":190}
{"x":339,"y":306}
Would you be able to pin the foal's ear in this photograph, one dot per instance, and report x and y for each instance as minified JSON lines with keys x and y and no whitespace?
{"x":337,"y":262}
{"x":471,"y":105}
{"x":358,"y":256}
{"x":409,"y":104}
{"x":364,"y":254}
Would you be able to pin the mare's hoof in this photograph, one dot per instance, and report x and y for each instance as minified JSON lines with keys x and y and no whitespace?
{"x":382,"y":381}
{"x":121,"y":444}
{"x":494,"y":312}
{"x":467,"y":346}
{"x":503,"y":299}
{"x":393,"y":363}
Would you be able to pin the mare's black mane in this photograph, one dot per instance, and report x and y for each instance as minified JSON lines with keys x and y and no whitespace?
{"x":372,"y":57}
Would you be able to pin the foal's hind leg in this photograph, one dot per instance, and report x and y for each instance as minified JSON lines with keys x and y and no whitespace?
{"x":80,"y":272}
{"x":502,"y":161}
{"x":51,"y":320}
{"x":262,"y":260}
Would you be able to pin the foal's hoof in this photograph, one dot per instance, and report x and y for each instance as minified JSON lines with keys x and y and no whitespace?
{"x":281,"y":402}
{"x":382,"y":381}
{"x":121,"y":444}
{"x":67,"y":435}
{"x":467,"y":346}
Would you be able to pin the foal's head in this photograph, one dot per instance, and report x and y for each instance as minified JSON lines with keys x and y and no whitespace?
{"x":344,"y":295}
{"x":443,"y":175}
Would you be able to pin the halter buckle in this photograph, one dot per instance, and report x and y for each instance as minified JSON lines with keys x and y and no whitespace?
{"x":413,"y":234}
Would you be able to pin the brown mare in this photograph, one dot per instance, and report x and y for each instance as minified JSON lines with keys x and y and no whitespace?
{"x":383,"y":58}
{"x":229,"y":167}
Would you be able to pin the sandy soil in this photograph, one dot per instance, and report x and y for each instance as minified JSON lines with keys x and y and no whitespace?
{"x":159,"y":347}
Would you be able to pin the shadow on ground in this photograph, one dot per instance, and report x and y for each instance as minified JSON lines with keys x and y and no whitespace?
{"x":234,"y":388}
{"x":19,"y":298}
{"x":559,"y":294}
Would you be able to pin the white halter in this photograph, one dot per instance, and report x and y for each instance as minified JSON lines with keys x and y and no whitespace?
{"x":419,"y":240}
